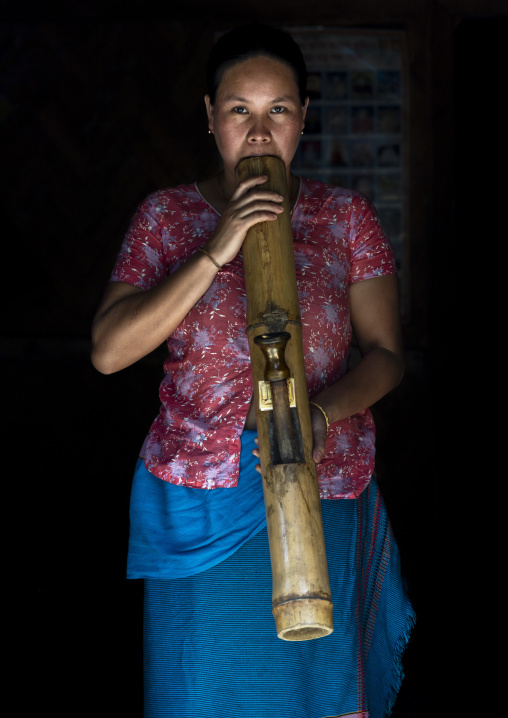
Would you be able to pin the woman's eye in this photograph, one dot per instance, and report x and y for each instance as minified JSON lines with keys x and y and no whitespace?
{"x":240,"y":110}
{"x":278,"y":109}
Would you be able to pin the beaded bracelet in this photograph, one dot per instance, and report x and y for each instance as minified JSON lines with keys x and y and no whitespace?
{"x":324,"y":414}
{"x":210,"y":257}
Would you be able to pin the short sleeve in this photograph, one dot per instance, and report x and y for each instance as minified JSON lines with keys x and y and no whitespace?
{"x":141,"y":257}
{"x":371,"y":252}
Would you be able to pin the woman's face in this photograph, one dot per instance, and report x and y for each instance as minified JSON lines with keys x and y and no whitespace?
{"x":257,"y":111}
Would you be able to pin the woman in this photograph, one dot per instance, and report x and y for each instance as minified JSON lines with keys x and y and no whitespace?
{"x":198,"y":536}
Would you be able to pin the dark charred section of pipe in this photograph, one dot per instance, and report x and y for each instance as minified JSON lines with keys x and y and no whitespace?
{"x":286,"y":444}
{"x":297,"y":455}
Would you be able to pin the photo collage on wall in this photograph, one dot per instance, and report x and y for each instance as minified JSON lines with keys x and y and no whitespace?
{"x":354,"y":131}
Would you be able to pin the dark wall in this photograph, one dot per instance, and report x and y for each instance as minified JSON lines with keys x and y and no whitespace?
{"x":96,"y":111}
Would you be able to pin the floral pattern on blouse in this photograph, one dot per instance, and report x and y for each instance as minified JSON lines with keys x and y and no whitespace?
{"x":207,"y":385}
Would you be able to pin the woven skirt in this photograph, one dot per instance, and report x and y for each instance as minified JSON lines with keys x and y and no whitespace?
{"x":210,"y":646}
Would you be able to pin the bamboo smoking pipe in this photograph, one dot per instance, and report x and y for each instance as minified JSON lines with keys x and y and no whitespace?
{"x":302,"y":605}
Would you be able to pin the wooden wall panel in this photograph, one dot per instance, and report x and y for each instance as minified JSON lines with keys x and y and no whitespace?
{"x":94,"y":119}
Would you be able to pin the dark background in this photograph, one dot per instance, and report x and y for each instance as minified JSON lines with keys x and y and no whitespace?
{"x":100,"y":105}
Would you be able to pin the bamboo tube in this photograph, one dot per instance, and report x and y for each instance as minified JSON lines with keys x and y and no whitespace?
{"x":302,"y":605}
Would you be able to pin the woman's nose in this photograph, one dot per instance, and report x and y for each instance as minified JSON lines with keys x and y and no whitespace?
{"x":259,"y":132}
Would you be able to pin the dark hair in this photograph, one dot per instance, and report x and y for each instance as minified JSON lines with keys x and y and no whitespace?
{"x":253,"y":40}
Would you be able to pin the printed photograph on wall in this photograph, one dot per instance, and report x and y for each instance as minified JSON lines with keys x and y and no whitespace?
{"x":356,"y":129}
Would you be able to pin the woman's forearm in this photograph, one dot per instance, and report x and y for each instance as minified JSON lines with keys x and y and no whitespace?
{"x":374,"y":309}
{"x":378,"y":372}
{"x":131,"y":323}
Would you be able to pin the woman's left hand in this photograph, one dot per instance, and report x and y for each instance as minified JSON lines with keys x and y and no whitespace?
{"x":319,"y":432}
{"x":256,"y":454}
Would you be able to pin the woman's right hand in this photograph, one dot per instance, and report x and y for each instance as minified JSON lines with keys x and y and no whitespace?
{"x":249,"y":205}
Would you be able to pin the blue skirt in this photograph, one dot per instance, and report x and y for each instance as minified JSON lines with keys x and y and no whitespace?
{"x":177,"y":531}
{"x":210,"y":646}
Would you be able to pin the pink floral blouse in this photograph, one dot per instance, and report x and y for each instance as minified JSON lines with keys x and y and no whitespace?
{"x":207,"y":387}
